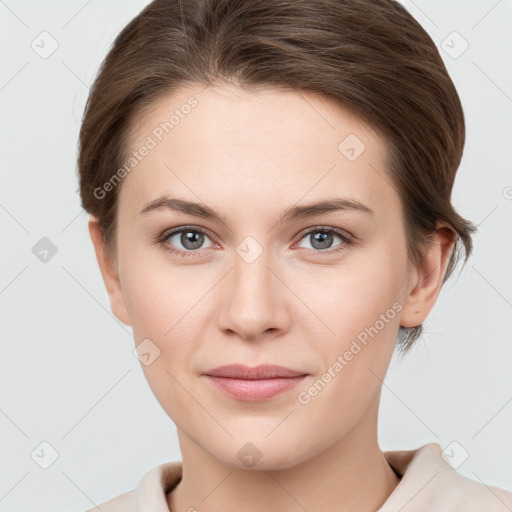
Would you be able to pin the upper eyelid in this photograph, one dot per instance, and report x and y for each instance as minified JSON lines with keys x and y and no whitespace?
{"x":319,"y":227}
{"x":171,"y":232}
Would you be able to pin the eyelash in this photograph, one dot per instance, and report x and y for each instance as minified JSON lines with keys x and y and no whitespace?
{"x":346,"y":238}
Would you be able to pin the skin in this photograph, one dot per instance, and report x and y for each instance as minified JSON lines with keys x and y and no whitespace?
{"x":249,"y":155}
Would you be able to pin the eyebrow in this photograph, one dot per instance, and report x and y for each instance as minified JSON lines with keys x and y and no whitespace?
{"x":292,"y":213}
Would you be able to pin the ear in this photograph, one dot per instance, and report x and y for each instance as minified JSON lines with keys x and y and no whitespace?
{"x":109,"y":273}
{"x":426,"y":281}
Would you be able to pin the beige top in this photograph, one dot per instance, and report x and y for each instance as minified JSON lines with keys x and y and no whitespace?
{"x":428,"y":483}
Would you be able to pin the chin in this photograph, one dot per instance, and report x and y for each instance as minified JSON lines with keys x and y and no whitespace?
{"x":259,"y":455}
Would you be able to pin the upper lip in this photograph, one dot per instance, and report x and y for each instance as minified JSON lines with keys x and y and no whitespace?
{"x":264,"y":371}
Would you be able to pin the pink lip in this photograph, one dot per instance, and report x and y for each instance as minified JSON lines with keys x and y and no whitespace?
{"x":254,"y":384}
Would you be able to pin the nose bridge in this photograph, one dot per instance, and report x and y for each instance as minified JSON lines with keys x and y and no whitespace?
{"x":251,"y":271}
{"x":252,"y":279}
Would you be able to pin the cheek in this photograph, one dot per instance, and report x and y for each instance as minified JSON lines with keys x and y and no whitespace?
{"x":161,"y":302}
{"x":358,"y":296}
{"x":156,"y":292}
{"x":361,"y":304}
{"x":362,"y":311}
{"x":166,"y":304}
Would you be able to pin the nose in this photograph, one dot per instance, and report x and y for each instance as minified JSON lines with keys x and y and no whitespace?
{"x":254,"y":302}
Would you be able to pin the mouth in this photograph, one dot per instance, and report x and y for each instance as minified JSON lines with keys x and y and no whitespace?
{"x":254,"y":383}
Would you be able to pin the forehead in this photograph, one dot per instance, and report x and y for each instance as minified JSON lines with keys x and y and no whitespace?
{"x":228,"y":115}
{"x":259,"y":145}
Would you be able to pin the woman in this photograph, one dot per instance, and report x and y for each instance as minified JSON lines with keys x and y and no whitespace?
{"x":269,"y":185}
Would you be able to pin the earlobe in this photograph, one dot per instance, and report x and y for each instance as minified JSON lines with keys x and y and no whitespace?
{"x":108,"y":273}
{"x":428,"y":278}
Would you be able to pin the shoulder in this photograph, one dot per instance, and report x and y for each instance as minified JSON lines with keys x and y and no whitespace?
{"x":150,"y":493}
{"x":471,"y":495}
{"x":430,"y":483}
{"x":125,"y":502}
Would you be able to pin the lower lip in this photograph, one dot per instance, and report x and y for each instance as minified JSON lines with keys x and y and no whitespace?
{"x":257,"y":389}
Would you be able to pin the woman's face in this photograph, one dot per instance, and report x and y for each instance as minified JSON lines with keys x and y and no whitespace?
{"x":261,"y":287}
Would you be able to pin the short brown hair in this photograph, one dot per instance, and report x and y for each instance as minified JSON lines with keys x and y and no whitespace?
{"x":370,"y":56}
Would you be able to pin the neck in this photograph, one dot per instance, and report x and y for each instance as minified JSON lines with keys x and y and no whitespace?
{"x":351,"y":475}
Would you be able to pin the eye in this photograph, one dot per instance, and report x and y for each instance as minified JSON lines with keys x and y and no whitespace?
{"x":191,"y":238}
{"x":321,"y":239}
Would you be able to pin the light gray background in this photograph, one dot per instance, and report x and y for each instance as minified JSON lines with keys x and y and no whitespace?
{"x":68,"y":374}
